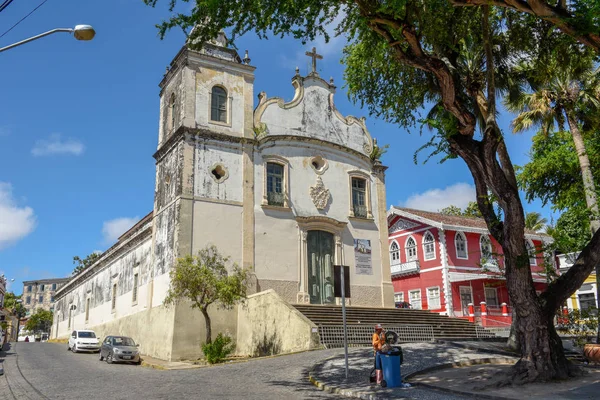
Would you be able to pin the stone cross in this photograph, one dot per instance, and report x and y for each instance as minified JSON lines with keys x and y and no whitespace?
{"x":314,"y":57}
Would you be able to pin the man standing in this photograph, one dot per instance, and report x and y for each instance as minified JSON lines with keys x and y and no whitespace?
{"x":378,"y":341}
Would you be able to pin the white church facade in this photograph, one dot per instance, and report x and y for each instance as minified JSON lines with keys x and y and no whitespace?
{"x":285,"y":189}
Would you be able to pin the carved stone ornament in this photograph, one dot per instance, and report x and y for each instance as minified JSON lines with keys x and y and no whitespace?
{"x":402,"y":224}
{"x":320,"y":194}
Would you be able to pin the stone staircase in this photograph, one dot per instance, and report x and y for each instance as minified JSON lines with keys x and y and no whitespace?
{"x":442,"y":327}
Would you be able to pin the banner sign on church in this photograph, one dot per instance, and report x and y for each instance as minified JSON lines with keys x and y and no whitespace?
{"x":362,"y":257}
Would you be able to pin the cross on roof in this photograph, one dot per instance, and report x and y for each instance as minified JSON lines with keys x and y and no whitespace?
{"x":314,"y":57}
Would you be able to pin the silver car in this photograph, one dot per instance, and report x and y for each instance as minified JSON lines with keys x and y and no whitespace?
{"x":120,"y":349}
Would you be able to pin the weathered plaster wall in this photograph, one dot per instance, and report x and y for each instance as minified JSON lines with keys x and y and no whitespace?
{"x":218,"y":224}
{"x":165,"y":238}
{"x":190,"y":329}
{"x":287,"y":290}
{"x":209,"y":153}
{"x":315,"y":117}
{"x":269,"y":325}
{"x":169,"y":177}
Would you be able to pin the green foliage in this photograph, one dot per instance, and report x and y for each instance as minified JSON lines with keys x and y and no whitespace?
{"x":378,"y":151}
{"x":471,"y":210}
{"x":81,"y":265}
{"x":219,"y":349}
{"x":204,"y":279}
{"x":534,"y":221}
{"x":40,"y":321}
{"x":10,"y":300}
{"x":582,"y":324}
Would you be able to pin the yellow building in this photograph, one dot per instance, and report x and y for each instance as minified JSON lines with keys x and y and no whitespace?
{"x":585,"y":296}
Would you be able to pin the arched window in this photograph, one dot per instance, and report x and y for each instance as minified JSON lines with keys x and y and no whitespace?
{"x":411,"y":249}
{"x":394,"y":253}
{"x":275,"y":192}
{"x":531,"y":250}
{"x":486,"y":247}
{"x":172,"y":112}
{"x":428,"y":246}
{"x":460,"y":242}
{"x":218,"y":105}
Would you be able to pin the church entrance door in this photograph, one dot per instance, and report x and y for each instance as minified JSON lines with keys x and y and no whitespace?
{"x":320,"y":267}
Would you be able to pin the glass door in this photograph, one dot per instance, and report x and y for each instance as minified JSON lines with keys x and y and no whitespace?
{"x":466,"y":297}
{"x":320,"y":267}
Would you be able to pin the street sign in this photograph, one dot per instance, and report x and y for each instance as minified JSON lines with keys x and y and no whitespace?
{"x":337,"y":281}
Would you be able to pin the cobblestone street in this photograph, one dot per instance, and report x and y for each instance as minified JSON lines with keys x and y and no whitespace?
{"x":48,"y":371}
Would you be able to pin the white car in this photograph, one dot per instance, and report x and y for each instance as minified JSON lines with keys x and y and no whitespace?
{"x":83,"y":340}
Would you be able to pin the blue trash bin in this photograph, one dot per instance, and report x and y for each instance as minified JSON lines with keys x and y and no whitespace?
{"x":390,"y":364}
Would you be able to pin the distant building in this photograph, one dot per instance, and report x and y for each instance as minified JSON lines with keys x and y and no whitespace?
{"x":40,"y":293}
{"x":585,"y":297}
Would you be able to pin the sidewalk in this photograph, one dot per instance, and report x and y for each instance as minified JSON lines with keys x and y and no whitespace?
{"x":329,"y":374}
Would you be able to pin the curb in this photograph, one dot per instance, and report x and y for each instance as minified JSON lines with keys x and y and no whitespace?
{"x":475,"y":348}
{"x":336,"y":389}
{"x":466,"y":363}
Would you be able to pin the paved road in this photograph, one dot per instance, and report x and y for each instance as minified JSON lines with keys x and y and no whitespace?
{"x":47,"y":371}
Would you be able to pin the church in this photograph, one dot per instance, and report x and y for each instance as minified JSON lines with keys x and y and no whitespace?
{"x":285,"y":189}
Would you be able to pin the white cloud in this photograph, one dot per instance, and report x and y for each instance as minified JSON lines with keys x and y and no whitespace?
{"x":15,"y":222}
{"x":111,"y":230}
{"x":459,"y":194}
{"x":57,"y":145}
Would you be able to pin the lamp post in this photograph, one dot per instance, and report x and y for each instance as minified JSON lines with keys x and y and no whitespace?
{"x":80,"y":32}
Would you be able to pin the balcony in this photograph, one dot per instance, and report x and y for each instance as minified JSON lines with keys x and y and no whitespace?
{"x":360,"y":211}
{"x":410,"y":267}
{"x":489,"y":264}
{"x":275,"y":199}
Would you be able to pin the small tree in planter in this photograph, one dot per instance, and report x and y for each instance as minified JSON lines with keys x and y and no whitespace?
{"x":204,"y":280}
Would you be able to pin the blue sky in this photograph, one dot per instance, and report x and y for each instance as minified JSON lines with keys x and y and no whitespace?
{"x":79,"y":125}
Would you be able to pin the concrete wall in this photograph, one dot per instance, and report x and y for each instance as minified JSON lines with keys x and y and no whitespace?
{"x":269,"y":325}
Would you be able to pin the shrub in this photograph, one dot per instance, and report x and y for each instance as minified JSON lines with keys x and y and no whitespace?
{"x":583,"y":324}
{"x":219,"y":349}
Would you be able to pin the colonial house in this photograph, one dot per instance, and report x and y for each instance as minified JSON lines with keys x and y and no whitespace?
{"x":445,"y":263}
{"x":286,"y":189}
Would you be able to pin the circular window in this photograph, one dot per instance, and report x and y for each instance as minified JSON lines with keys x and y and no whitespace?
{"x":319,"y":164}
{"x":219,"y":173}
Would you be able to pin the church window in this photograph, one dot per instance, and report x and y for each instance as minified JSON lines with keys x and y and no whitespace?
{"x":461,"y":245}
{"x":275,"y":194}
{"x":411,"y":249}
{"x":394,"y":253}
{"x":531,"y":251}
{"x":319,"y":164}
{"x":219,"y":173}
{"x":172,"y":112}
{"x":359,"y":201}
{"x":218,"y":105}
{"x":135,"y":288}
{"x":87,"y":309}
{"x":114,"y":297}
{"x":428,"y":246}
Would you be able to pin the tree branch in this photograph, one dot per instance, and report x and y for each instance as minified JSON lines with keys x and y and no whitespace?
{"x":560,"y":290}
{"x":556,"y":15}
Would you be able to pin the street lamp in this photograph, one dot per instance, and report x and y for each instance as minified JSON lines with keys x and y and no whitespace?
{"x":80,"y":32}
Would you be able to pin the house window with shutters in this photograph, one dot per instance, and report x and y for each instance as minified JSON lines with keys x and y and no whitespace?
{"x":394,"y":253}
{"x":460,"y":242}
{"x":275,"y":192}
{"x":411,"y":249}
{"x":428,"y":246}
{"x":359,"y":199}
{"x":135,"y":289}
{"x":433,"y":298}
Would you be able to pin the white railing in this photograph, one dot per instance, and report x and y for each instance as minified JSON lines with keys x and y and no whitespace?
{"x":332,"y":336}
{"x":489,"y":264}
{"x":402,"y":268}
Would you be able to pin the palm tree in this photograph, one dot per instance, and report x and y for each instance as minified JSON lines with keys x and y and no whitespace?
{"x":534,"y":221}
{"x":568,"y":97}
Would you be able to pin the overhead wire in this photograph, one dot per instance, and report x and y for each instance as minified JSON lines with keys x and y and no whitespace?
{"x":22,"y":19}
{"x":5,"y":4}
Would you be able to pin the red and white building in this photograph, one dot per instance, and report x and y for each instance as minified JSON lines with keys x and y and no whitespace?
{"x":446,"y":263}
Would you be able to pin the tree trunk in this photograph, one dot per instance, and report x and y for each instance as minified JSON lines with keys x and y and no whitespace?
{"x":589,"y":189}
{"x":207,"y":322}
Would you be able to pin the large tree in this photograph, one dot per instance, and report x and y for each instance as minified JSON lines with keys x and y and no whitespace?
{"x":40,"y":321}
{"x":577,"y":18}
{"x":83,"y":264}
{"x":404,"y":56}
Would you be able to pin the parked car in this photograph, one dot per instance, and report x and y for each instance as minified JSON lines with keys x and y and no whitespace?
{"x":83,"y":340}
{"x":120,"y":349}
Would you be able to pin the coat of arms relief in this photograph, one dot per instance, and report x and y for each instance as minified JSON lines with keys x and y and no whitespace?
{"x":320,"y":194}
